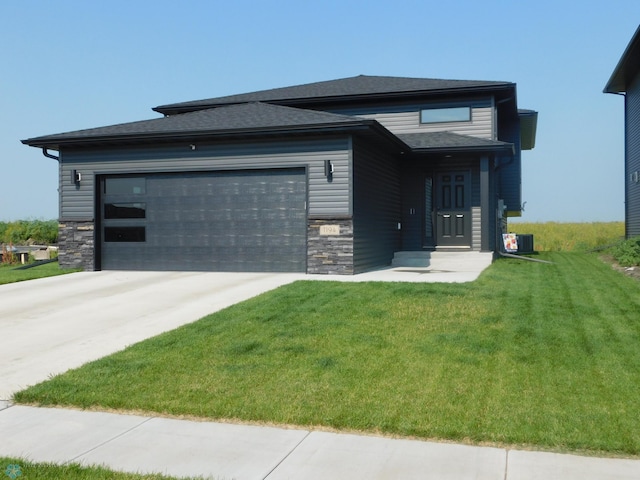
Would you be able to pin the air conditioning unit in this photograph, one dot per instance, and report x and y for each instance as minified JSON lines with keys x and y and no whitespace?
{"x":525,"y":243}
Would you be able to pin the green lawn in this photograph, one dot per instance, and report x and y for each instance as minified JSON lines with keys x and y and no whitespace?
{"x":9,"y":274}
{"x":22,"y":469}
{"x":544,"y":355}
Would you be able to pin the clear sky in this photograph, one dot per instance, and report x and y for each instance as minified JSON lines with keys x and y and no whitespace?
{"x":67,"y":65}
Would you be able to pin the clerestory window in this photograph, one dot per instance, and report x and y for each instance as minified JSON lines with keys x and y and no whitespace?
{"x":444,"y":115}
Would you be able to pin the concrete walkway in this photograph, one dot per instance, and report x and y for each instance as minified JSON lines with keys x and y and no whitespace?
{"x":243,"y":452}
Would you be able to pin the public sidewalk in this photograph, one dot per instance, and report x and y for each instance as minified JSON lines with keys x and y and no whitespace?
{"x":183,"y":448}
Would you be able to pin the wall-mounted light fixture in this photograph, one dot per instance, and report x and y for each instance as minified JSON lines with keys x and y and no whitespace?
{"x":77,"y":176}
{"x":635,"y":177}
{"x":192,"y":146}
{"x":328,"y":168}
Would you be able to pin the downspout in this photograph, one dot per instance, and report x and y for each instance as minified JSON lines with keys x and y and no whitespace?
{"x":48,"y":155}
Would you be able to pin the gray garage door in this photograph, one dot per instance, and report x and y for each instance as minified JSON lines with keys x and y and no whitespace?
{"x":253,"y":221}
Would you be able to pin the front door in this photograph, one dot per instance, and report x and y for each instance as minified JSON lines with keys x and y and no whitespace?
{"x":453,"y":212}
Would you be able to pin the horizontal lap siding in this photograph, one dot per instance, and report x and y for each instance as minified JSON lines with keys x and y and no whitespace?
{"x":406,"y":119}
{"x":329,"y":199}
{"x":632,"y":121}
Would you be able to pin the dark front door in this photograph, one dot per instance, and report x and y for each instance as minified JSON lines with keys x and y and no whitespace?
{"x":453,"y":212}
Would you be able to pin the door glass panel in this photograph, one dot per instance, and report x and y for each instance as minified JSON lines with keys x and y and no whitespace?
{"x":459,"y":196}
{"x":446,"y":196}
{"x":428,"y":207}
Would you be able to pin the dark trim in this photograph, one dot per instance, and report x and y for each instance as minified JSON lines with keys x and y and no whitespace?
{"x":79,"y":219}
{"x":330,"y":217}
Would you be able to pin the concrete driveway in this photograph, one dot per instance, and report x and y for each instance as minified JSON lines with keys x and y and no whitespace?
{"x":50,"y":325}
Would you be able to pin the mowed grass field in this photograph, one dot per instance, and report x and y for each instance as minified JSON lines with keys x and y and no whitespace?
{"x":543,"y":355}
{"x":570,"y":237}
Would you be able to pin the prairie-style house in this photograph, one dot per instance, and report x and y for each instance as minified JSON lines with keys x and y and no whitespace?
{"x":330,"y":177}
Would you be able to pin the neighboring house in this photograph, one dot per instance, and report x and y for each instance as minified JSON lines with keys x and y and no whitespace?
{"x":626,"y":80}
{"x":328,"y":177}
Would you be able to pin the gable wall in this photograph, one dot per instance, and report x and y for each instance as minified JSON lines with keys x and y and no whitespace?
{"x":325,"y":199}
{"x":401,"y":119}
{"x":632,"y":159}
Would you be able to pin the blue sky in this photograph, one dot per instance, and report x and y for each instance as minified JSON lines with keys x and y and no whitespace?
{"x":68,"y":65}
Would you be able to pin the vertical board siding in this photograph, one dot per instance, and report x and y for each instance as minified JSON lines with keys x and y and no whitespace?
{"x":77,"y":202}
{"x":632,"y":159}
{"x":406,"y":119}
{"x":376,"y":207}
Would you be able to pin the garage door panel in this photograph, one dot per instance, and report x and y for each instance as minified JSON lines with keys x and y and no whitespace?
{"x":218,"y":221}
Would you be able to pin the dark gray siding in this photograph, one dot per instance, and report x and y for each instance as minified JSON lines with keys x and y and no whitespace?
{"x":376,"y":206}
{"x":327,"y":199}
{"x":632,"y":159}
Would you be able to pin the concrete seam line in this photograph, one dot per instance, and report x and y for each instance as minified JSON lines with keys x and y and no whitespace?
{"x":286,"y":456}
{"x":110,"y":439}
{"x":506,"y":464}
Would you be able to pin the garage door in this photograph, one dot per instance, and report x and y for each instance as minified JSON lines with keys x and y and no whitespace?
{"x":252,"y":221}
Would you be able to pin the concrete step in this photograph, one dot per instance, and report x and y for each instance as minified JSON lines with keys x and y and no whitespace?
{"x":439,"y":260}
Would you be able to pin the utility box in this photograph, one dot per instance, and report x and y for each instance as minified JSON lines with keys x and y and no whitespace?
{"x":525,"y":243}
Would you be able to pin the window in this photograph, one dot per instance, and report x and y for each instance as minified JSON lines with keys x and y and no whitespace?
{"x":125,"y":186}
{"x":124,"y":234}
{"x":442,"y":115}
{"x":125,"y":210}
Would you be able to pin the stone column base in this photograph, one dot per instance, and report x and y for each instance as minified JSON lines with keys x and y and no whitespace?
{"x":330,"y":246}
{"x":76,"y":245}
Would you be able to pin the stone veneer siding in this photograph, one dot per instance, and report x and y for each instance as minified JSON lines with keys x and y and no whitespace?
{"x":330,"y":254}
{"x":76,"y":245}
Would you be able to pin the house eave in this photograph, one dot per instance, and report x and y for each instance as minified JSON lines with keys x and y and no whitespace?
{"x":212,"y":135}
{"x":627,"y":68}
{"x":174,"y":109}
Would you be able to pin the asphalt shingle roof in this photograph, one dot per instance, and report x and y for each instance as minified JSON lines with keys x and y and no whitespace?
{"x":233,"y":118}
{"x":450,"y":141}
{"x":361,"y":85}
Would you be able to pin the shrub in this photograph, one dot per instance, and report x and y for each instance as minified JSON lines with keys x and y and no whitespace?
{"x":29,"y":231}
{"x":627,"y":253}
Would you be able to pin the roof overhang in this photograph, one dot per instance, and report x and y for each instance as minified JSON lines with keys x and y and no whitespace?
{"x":528,"y":128}
{"x":448,"y":143}
{"x":256,"y":120}
{"x":350,"y":90}
{"x":627,"y":68}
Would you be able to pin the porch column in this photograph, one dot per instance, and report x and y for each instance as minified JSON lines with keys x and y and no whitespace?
{"x":485,"y":210}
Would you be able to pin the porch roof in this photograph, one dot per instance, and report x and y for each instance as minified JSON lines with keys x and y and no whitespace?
{"x":441,"y":142}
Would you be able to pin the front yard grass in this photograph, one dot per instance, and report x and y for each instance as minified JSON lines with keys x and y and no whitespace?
{"x":19,"y":469}
{"x":531,"y":354}
{"x":9,"y":274}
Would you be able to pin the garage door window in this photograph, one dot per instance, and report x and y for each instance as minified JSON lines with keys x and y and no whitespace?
{"x":125,"y":210}
{"x":124,"y":234}
{"x":125,"y":186}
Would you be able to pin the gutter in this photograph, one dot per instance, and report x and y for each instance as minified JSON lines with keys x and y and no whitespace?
{"x":48,"y":155}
